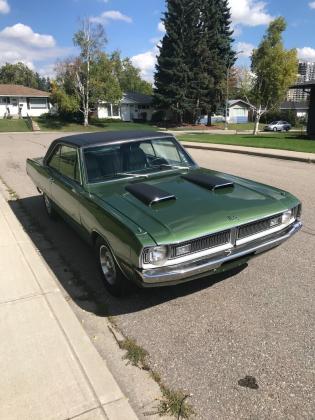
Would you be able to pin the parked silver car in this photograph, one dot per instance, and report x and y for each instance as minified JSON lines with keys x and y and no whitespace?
{"x":278,"y":126}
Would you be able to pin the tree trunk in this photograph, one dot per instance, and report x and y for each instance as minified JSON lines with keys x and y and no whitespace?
{"x":86,"y":118}
{"x":257,"y":120}
{"x":256,"y":127}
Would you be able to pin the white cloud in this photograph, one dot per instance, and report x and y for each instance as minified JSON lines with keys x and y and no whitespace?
{"x":312,"y":4}
{"x":306,"y":53}
{"x":24,"y":34}
{"x":249,"y":13}
{"x":161,"y":27}
{"x":111,"y":15}
{"x":4,"y":6}
{"x":146,"y":63}
{"x":245,"y":48}
{"x":20,"y":43}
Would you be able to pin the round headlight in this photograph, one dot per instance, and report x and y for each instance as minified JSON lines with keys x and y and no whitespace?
{"x":157,"y":255}
{"x":287,"y":216}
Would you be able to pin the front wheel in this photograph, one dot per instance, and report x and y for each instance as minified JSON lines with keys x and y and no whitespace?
{"x":275,"y":129}
{"x":115,"y":281}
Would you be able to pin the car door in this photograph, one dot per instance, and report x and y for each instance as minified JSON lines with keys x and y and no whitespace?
{"x":65,"y":180}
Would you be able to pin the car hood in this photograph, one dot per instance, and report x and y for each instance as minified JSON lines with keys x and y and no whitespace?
{"x":196,"y":211}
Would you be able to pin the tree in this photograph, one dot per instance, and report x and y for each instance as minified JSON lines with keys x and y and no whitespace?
{"x":21,"y":74}
{"x":242,"y":83}
{"x":171,"y":70}
{"x":213,"y":53}
{"x":90,"y":39}
{"x":129,"y":76}
{"x":194,"y":57}
{"x":275,"y":69}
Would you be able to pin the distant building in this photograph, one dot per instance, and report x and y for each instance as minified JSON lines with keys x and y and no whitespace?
{"x":132,"y":107}
{"x":19,"y":101}
{"x":306,"y":72}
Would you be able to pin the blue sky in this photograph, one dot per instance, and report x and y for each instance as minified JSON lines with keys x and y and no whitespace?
{"x":38,"y":32}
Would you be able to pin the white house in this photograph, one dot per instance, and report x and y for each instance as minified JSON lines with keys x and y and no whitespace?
{"x":133,"y":107}
{"x":238,"y":111}
{"x":20,"y":101}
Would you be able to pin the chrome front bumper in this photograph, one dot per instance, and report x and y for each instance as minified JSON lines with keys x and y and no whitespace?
{"x":202,"y":267}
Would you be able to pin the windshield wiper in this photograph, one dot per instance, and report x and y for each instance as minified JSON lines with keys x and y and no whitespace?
{"x":131,"y":175}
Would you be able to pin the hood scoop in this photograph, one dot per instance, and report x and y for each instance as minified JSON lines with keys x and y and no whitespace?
{"x":149,"y":194}
{"x":210,"y":182}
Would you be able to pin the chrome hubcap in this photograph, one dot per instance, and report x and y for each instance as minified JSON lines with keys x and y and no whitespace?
{"x":108,"y":265}
{"x":47,"y":204}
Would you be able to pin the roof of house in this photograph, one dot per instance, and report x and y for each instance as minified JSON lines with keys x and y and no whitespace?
{"x":304,"y":85}
{"x":94,"y":139}
{"x":19,"y":90}
{"x":233,"y":102}
{"x":134,"y":97}
{"x":296,"y":106}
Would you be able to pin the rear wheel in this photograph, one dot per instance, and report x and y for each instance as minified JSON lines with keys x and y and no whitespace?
{"x":49,"y":207}
{"x":115,"y":281}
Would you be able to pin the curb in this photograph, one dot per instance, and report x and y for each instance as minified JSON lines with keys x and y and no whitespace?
{"x":249,"y":152}
{"x":111,"y":402}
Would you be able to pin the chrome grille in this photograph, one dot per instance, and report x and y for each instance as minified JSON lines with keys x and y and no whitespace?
{"x":259,"y":226}
{"x":201,"y":244}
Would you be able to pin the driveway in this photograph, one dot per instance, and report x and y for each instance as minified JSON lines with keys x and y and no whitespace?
{"x":242,"y":345}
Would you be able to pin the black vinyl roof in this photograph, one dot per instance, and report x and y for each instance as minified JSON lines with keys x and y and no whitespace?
{"x":93,"y":139}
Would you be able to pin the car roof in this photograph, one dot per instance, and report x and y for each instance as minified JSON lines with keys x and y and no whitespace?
{"x":94,"y":139}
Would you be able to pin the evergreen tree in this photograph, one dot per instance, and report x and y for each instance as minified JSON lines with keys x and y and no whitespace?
{"x":218,"y":56}
{"x":171,"y":70}
{"x":195,"y":56}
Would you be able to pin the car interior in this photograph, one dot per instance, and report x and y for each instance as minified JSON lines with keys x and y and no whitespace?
{"x":109,"y":161}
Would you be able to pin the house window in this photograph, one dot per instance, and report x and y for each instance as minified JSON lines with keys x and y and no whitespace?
{"x":116,"y":112}
{"x":109,"y":110}
{"x":37,"y":103}
{"x":4,"y":100}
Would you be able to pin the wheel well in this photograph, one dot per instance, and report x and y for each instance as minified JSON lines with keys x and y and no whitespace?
{"x":94,"y":237}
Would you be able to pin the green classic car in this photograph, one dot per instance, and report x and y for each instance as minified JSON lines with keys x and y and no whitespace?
{"x":154,"y":217}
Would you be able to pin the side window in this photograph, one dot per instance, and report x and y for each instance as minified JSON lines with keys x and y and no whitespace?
{"x":69,"y":166}
{"x":55,"y":159}
{"x":147,"y":148}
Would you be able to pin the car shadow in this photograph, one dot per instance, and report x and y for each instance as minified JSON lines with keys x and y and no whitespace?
{"x":72,"y":261}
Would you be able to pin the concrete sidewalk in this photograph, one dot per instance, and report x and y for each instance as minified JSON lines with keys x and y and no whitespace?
{"x":254,"y":151}
{"x":49,"y":367}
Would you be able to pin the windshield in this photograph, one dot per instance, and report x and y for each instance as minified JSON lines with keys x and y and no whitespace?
{"x":134,"y":159}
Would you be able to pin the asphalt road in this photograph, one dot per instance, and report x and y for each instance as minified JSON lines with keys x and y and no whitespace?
{"x":207,"y":336}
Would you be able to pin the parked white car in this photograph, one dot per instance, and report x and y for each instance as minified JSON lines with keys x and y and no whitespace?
{"x":278,"y":126}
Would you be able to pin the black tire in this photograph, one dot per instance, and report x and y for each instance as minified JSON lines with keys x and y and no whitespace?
{"x":275,"y":129}
{"x":51,"y":212}
{"x":114,"y":280}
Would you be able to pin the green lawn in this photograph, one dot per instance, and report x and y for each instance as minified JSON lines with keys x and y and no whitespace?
{"x":241,"y":127}
{"x":50,"y":124}
{"x":283,"y":141}
{"x":13,"y":125}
